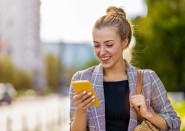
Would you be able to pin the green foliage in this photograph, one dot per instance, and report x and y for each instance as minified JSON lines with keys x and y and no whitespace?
{"x":69,"y":72}
{"x":160,"y":41}
{"x":53,"y":72}
{"x":21,"y":80}
{"x":6,"y":69}
{"x":179,"y":108}
{"x":91,"y":62}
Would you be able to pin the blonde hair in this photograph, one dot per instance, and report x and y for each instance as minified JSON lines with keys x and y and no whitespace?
{"x":116,"y":17}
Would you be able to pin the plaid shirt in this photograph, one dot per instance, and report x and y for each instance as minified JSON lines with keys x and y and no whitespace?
{"x":153,"y":90}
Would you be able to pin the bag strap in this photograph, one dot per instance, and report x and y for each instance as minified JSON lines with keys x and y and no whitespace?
{"x":138,"y":91}
{"x":139,"y":82}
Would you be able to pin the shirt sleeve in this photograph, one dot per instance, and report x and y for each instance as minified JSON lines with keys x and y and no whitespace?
{"x":161,"y":104}
{"x":71,"y":94}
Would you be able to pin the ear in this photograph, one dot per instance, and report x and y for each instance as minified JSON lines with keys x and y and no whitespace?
{"x":125,"y":43}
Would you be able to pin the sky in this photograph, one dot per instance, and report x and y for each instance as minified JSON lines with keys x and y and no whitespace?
{"x":72,"y":20}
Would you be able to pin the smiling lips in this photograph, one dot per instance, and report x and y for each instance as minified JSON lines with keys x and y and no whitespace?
{"x":105,"y":59}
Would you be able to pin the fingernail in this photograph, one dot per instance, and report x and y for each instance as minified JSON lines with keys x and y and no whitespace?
{"x":93,"y":97}
{"x":93,"y":100}
{"x":83,"y":92}
{"x":89,"y":93}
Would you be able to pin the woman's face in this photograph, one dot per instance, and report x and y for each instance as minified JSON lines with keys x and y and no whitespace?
{"x":108,"y":46}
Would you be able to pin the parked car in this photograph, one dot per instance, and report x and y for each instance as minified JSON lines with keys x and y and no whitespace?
{"x":7,"y":93}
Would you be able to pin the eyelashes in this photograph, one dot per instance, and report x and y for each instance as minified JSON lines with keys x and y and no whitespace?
{"x":108,"y":46}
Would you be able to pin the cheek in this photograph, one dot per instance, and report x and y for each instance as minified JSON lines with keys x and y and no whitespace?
{"x":112,"y":50}
{"x":116,"y":51}
{"x":96,"y":51}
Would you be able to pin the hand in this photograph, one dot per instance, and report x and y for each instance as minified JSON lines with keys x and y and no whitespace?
{"x":83,"y":100}
{"x":139,"y":103}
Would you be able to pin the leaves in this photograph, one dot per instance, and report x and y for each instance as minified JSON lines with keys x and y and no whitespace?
{"x":161,"y":38}
{"x":53,"y":71}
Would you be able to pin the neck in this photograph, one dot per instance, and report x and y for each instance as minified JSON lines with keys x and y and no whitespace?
{"x":116,"y":73}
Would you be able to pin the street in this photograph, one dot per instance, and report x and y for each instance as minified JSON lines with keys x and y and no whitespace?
{"x":49,"y":113}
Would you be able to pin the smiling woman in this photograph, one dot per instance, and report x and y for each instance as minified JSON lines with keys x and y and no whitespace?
{"x":108,"y":46}
{"x":114,"y":81}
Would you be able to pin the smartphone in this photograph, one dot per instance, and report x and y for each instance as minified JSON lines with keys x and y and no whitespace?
{"x":85,"y":85}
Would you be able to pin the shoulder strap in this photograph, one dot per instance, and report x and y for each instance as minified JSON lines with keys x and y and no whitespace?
{"x":139,"y":81}
{"x":138,"y":90}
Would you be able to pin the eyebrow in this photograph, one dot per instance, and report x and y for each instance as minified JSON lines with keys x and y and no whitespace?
{"x":108,"y":41}
{"x":104,"y":42}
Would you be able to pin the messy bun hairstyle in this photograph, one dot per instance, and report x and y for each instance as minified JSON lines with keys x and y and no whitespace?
{"x":116,"y":17}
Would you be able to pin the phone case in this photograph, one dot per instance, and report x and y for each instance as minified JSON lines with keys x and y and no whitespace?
{"x":85,"y":85}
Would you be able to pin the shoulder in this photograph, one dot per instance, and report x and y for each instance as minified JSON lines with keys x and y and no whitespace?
{"x":149,"y":73}
{"x":146,"y":72}
{"x":151,"y":81}
{"x":84,"y":74}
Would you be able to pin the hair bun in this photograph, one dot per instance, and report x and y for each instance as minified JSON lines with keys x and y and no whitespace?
{"x":114,"y":11}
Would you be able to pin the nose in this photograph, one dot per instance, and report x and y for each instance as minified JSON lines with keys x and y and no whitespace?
{"x":102,"y":50}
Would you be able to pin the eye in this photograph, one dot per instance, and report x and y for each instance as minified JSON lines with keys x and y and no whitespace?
{"x":96,"y":46}
{"x":109,"y":45}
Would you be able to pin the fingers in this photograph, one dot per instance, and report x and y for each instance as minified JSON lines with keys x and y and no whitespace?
{"x":83,"y":100}
{"x":137,"y":101}
{"x":86,"y":103}
{"x":78,"y":96}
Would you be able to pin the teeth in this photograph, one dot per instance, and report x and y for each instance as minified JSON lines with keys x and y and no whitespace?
{"x":105,"y":58}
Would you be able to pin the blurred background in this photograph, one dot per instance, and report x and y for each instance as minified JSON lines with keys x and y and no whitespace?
{"x":44,"y":42}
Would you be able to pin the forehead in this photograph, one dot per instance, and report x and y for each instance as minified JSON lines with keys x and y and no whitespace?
{"x":105,"y":32}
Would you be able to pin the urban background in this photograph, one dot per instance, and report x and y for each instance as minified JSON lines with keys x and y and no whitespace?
{"x":35,"y":75}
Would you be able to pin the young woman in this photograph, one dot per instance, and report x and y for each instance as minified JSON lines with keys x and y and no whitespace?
{"x":114,"y":81}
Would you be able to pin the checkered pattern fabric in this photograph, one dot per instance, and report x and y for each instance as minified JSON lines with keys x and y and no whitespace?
{"x":153,"y":90}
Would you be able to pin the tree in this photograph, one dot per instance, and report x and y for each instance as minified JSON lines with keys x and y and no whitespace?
{"x":52,"y":67}
{"x":9,"y":73}
{"x":91,"y":62}
{"x":160,"y":38}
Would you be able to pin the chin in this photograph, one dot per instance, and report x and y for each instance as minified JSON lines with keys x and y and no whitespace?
{"x":106,"y":65}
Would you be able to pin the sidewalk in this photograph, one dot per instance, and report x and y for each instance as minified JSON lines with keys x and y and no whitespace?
{"x":50,"y":113}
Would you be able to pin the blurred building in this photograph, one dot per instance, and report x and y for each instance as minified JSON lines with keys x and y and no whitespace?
{"x":72,"y":55}
{"x":20,"y":32}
